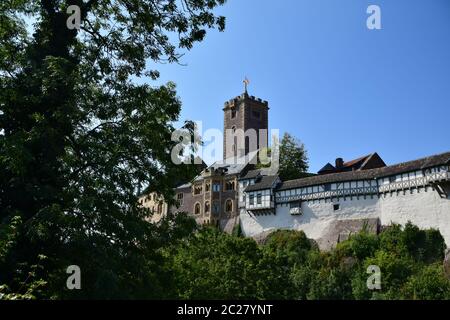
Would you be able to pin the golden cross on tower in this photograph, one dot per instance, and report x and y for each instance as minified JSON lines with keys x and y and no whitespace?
{"x":246,"y":83}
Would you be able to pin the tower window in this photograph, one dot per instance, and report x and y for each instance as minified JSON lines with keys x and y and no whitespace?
{"x":197,"y":209}
{"x":206,"y":207}
{"x":229,"y":186}
{"x":216,"y":187}
{"x":229,"y":205}
{"x":233,"y":114}
{"x":197,"y":190}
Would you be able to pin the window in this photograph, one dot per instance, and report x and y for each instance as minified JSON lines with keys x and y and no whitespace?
{"x":295,"y":204}
{"x":197,"y":209}
{"x":216,"y":187}
{"x":252,"y":199}
{"x":229,"y":206}
{"x":233,"y":113}
{"x":392,"y":179}
{"x":207,"y":207}
{"x":327,"y":187}
{"x":180,"y":197}
{"x":207,"y":187}
{"x":259,"y":198}
{"x":229,"y":186}
{"x":295,"y":208}
{"x":336,"y":206}
{"x":197,"y":190}
{"x":160,"y":207}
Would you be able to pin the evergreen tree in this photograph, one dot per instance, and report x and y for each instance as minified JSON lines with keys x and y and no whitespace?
{"x":293,"y":158}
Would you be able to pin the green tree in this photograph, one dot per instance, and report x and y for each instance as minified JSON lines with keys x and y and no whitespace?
{"x":293,"y":158}
{"x":78,"y":135}
{"x":289,"y":245}
{"x":214,"y":265}
{"x":430,"y":283}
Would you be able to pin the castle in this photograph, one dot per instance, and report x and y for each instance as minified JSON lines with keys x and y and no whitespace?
{"x":340,"y":200}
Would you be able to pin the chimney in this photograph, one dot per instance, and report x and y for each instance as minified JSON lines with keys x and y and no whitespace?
{"x":339,"y":163}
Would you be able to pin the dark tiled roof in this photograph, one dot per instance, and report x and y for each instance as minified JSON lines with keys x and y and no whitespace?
{"x":352,"y":163}
{"x":370,"y":161}
{"x":440,"y":159}
{"x":266,"y":182}
{"x":251,"y":174}
{"x":327,"y":167}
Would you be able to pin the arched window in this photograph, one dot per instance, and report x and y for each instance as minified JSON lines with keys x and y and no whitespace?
{"x":197,"y":208}
{"x":198,"y":189}
{"x":207,"y":207}
{"x":229,"y":206}
{"x":229,"y":186}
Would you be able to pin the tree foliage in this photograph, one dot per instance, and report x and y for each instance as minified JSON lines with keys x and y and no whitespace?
{"x":213,"y":265}
{"x":293,"y":158}
{"x":79,"y":134}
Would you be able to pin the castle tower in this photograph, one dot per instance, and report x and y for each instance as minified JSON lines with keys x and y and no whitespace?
{"x":247,"y":118}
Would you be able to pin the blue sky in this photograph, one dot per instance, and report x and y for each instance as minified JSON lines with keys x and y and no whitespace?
{"x":343,"y":90}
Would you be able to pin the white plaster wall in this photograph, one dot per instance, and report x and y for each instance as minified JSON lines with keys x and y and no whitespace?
{"x":424,"y":209}
{"x":315,"y":219}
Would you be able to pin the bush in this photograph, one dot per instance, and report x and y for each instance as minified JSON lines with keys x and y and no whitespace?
{"x":429,"y":283}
